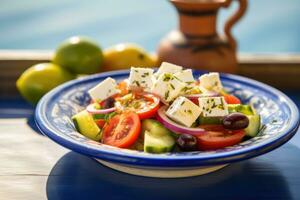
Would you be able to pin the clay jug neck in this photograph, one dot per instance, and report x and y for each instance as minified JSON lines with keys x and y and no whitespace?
{"x":198,"y":17}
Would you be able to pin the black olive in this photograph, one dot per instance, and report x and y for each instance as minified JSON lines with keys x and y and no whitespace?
{"x":235,"y":121}
{"x":108,"y":103}
{"x":187,"y":142}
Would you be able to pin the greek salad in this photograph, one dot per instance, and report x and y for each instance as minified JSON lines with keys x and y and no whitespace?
{"x":167,"y":110}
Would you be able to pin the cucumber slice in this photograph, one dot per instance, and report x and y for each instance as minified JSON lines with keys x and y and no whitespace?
{"x":157,"y":138}
{"x":210,"y":120}
{"x":85,"y":124}
{"x":245,"y":109}
{"x":158,"y":143}
{"x":154,"y":127}
{"x":254,"y":125}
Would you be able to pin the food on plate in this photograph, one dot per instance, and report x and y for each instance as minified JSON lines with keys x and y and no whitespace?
{"x":39,"y":79}
{"x":125,"y":55}
{"x":157,"y":138}
{"x":85,"y":124}
{"x":79,"y":55}
{"x":166,"y":110}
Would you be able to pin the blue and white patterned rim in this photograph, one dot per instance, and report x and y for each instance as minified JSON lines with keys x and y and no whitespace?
{"x":247,"y":89}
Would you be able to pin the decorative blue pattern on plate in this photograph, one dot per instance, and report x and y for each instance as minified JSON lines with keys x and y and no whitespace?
{"x":279,"y":116}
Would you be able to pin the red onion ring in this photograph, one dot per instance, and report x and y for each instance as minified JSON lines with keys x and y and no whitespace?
{"x":91,"y":109}
{"x":177,"y":128}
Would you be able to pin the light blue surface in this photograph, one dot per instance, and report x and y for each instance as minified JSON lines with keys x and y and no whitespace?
{"x":279,"y":114}
{"x":269,"y":25}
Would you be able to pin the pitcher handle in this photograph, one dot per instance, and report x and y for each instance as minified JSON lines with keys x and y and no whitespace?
{"x":232,"y":20}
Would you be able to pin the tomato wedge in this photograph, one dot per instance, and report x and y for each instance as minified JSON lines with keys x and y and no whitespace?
{"x":122,"y":130}
{"x":144,"y":104}
{"x":230,"y":99}
{"x":217,"y":137}
{"x":100,"y":122}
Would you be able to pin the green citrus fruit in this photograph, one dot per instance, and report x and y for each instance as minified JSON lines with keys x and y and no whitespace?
{"x":79,"y":55}
{"x":124,"y":56}
{"x":39,"y":79}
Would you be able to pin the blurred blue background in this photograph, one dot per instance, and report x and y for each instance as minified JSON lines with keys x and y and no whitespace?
{"x":270,"y":26}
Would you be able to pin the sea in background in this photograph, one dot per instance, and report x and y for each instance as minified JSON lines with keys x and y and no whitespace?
{"x":270,"y":26}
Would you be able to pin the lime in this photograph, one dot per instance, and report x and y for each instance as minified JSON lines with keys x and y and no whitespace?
{"x":79,"y":55}
{"x":123,"y":56}
{"x":39,"y":79}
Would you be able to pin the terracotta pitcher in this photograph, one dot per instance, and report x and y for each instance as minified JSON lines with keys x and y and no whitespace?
{"x":197,"y":44}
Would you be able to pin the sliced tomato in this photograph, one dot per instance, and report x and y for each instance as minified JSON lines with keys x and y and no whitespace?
{"x":122,"y":130}
{"x":152,"y":105}
{"x":144,"y":104}
{"x":230,"y":99}
{"x":100,"y":122}
{"x":217,"y":137}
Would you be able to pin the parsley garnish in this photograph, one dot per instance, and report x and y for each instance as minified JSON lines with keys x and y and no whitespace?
{"x":167,"y":94}
{"x":172,"y":86}
{"x":167,"y":77}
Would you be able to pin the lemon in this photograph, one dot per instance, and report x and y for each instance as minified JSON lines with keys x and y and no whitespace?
{"x":124,"y":56}
{"x":39,"y":79}
{"x":79,"y":55}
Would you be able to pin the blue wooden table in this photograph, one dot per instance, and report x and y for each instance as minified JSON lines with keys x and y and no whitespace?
{"x":33,"y":167}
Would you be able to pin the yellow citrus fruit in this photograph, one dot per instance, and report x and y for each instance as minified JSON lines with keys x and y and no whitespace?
{"x":79,"y":55}
{"x":39,"y":79}
{"x":124,"y":56}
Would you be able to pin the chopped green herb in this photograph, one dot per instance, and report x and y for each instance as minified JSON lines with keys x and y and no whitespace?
{"x":221,"y":106}
{"x":137,"y":83}
{"x":176,"y":78}
{"x":167,"y":94}
{"x":172,"y":86}
{"x":145,"y":74}
{"x":184,"y":89}
{"x":214,"y":105}
{"x":167,"y":77}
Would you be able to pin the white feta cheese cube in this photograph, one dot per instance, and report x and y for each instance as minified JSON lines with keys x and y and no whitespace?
{"x":185,"y":76}
{"x":213,"y":106}
{"x":104,"y":90}
{"x":166,"y":67}
{"x":168,"y":87}
{"x":211,"y":81}
{"x":141,"y":77}
{"x":183,"y":111}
